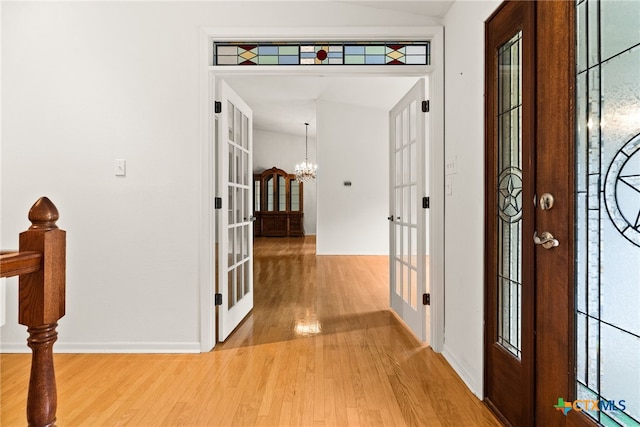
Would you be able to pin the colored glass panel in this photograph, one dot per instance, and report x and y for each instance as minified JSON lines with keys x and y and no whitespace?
{"x":247,"y":55}
{"x":375,"y":50}
{"x":289,"y":60}
{"x":354,"y":59}
{"x":375,"y":59}
{"x":228,"y":60}
{"x":288,"y":50}
{"x":267,"y":50}
{"x":394,"y":54}
{"x":354,"y":50}
{"x":227,"y":50}
{"x":268,"y":59}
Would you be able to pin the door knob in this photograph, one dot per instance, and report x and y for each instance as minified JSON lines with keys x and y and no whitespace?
{"x":545,"y":239}
{"x":390,"y":218}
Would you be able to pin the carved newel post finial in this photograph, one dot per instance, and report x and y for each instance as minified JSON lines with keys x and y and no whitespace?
{"x":43,"y":215}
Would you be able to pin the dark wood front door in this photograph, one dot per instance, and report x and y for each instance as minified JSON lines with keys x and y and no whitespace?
{"x":509,"y":190}
{"x":530,"y":74}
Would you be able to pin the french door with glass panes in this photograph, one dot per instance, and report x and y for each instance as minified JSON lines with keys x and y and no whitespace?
{"x":408,"y":284}
{"x":235,"y":225}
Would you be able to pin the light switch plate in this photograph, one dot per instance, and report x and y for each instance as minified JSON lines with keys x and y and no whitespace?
{"x":121,"y":167}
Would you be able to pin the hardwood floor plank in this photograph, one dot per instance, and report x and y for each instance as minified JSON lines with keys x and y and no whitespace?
{"x":320,"y":348}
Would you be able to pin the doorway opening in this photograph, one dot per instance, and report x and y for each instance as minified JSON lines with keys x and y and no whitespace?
{"x":211,"y":75}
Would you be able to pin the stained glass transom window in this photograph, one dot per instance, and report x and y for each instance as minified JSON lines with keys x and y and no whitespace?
{"x":333,"y":53}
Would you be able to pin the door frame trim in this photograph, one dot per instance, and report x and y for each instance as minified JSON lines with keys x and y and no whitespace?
{"x":207,"y":77}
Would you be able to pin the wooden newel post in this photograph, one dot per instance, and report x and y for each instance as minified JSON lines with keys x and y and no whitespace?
{"x":41,"y":304}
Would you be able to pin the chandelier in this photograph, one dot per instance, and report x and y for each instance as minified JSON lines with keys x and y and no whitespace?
{"x":305,"y":171}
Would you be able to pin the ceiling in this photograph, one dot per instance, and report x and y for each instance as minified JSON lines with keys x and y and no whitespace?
{"x":431,"y":8}
{"x":284,"y":103}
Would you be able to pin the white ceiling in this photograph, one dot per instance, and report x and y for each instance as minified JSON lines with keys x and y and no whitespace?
{"x":431,"y":8}
{"x":284,"y":103}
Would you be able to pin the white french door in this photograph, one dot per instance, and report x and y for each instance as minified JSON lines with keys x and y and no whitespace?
{"x":235,"y":230}
{"x":408,"y":261}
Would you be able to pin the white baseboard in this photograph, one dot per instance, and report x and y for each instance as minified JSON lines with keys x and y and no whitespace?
{"x":463,"y":373}
{"x":109,"y":347}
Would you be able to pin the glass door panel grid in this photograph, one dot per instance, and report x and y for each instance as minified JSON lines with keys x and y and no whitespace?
{"x":239,"y":206}
{"x":509,"y":191}
{"x":608,"y":209}
{"x":405,"y":189}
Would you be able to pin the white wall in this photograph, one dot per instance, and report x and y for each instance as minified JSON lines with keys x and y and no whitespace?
{"x":285,"y":151}
{"x":352,"y":146}
{"x":3,"y":282}
{"x":464,"y":208}
{"x":85,"y":83}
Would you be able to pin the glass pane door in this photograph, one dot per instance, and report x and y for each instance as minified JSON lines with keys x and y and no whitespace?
{"x":608,"y":209}
{"x":235,"y":268}
{"x":408,"y":218}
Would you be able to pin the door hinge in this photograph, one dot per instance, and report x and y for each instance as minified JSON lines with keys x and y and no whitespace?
{"x":218,"y":299}
{"x":425,"y":202}
{"x":218,"y":203}
{"x":425,"y":106}
{"x":426,"y":299}
{"x":217,"y":105}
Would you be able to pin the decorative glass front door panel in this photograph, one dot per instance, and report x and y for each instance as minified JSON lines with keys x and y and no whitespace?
{"x":608,"y":208}
{"x":509,"y":195}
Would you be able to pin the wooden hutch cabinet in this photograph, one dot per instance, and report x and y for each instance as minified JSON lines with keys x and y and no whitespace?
{"x":277,"y":204}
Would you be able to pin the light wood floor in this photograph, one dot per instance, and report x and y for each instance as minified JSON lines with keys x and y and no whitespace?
{"x":319,"y":349}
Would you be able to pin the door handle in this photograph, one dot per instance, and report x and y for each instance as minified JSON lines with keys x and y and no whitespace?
{"x":545,"y":239}
{"x":390,"y":218}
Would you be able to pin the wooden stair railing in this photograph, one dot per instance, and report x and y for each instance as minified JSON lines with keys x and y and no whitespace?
{"x":40,"y":265}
